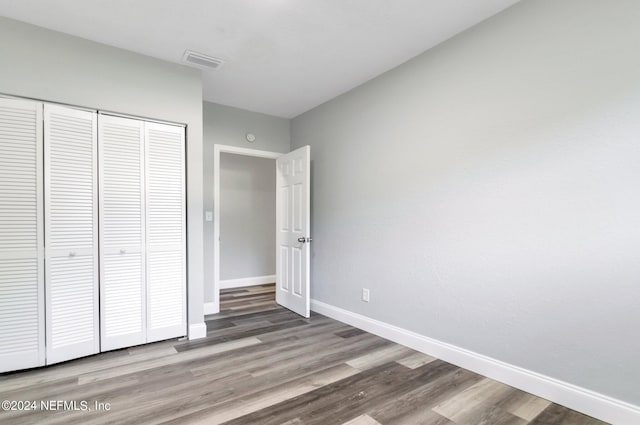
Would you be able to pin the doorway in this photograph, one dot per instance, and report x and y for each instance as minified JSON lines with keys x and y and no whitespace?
{"x":244,"y":219}
{"x":247,"y":226}
{"x":292,"y":226}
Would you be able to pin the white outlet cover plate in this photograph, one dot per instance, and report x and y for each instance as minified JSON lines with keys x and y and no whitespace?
{"x":365,"y":295}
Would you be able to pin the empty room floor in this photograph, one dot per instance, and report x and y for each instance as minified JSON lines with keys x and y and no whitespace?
{"x":262,"y":364}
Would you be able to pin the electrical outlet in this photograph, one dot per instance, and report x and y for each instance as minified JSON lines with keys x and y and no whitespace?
{"x":365,"y":295}
{"x":208,"y":215}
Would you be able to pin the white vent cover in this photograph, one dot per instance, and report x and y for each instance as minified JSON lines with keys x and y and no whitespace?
{"x":201,"y":60}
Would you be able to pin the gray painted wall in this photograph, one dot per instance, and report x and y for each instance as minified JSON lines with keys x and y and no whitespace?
{"x":247,"y":216}
{"x":48,"y":65}
{"x":225,"y":125}
{"x":487,"y":193}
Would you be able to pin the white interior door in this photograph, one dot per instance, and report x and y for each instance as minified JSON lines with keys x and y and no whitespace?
{"x":292,"y":230}
{"x":122,"y":232}
{"x":165,"y":232}
{"x":21,"y":236}
{"x":71,"y":226}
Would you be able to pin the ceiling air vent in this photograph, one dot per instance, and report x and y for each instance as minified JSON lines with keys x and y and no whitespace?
{"x":201,"y":60}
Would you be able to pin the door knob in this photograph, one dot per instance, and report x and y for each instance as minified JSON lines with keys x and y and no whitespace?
{"x":302,"y":240}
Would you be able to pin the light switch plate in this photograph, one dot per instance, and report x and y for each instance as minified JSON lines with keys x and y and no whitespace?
{"x":208,"y":215}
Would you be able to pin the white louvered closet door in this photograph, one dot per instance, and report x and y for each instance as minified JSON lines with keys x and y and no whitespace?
{"x":166,"y":237}
{"x":71,"y":233}
{"x":21,"y":237}
{"x":122,"y":237}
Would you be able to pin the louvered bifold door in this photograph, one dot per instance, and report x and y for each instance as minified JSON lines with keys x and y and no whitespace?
{"x":21,"y":237}
{"x":71,"y":233}
{"x":122,"y":265}
{"x":166,"y":252}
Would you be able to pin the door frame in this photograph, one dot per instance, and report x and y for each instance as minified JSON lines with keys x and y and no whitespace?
{"x":213,"y":307}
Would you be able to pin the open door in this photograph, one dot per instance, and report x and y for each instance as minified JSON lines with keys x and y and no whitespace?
{"x":292,"y":230}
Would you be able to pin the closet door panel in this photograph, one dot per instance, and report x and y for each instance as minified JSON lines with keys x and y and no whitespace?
{"x":166,"y":254}
{"x":71,"y":227}
{"x":123,"y":293}
{"x":122,"y":236}
{"x":21,"y":237}
{"x":72,"y":323}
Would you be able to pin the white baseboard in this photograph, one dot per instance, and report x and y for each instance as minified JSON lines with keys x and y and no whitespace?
{"x":247,"y":281}
{"x":211,"y":308}
{"x":197,"y":330}
{"x":577,"y":398}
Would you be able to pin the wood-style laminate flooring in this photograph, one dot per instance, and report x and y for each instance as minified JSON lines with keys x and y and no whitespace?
{"x":262,"y":364}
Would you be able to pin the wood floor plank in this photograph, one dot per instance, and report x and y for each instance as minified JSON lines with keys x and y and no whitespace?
{"x":245,"y":333}
{"x":227,"y":412}
{"x":484,"y":413}
{"x":330,"y":354}
{"x":214,"y":325}
{"x":420,"y":416}
{"x":416,"y":405}
{"x":362,"y":420}
{"x":485,"y":390}
{"x":76,"y":368}
{"x":555,"y":414}
{"x":257,"y":354}
{"x":260,"y":315}
{"x":295,"y":421}
{"x":167,"y":360}
{"x":381,"y":356}
{"x":350,"y":397}
{"x":316,"y":405}
{"x":320,"y":325}
{"x":388,"y":388}
{"x":243,"y":386}
{"x":263,"y":364}
{"x":278,"y":354}
{"x":246,"y":312}
{"x":523,"y":405}
{"x":415,"y":360}
{"x":350,"y":332}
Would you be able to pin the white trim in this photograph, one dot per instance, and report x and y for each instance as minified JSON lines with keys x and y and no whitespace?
{"x":247,"y":281}
{"x":197,"y":330}
{"x":572,"y":396}
{"x":46,"y":102}
{"x":217,"y":150}
{"x":137,"y":117}
{"x":210,"y":308}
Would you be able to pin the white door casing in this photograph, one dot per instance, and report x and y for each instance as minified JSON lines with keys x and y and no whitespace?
{"x":22,"y":330}
{"x":71,"y":227}
{"x":122,"y":232}
{"x":165,"y":231}
{"x":293,"y":230}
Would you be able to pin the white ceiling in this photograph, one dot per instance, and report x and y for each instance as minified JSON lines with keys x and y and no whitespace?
{"x":283,"y":56}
